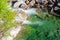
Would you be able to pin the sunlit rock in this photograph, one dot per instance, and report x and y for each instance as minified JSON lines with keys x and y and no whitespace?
{"x":21,"y":16}
{"x":13,"y":33}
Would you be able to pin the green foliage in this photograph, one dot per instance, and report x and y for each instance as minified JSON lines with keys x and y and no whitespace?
{"x":41,"y":29}
{"x":6,"y":15}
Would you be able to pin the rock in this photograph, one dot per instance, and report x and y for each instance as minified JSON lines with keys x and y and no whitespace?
{"x":20,"y":17}
{"x":13,"y":33}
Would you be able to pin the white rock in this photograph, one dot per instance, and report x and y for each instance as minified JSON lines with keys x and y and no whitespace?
{"x":13,"y":33}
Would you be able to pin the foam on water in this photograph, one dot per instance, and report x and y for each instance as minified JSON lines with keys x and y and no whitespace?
{"x":29,"y":11}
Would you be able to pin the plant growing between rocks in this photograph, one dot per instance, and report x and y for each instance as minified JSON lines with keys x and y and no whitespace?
{"x":6,"y":17}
